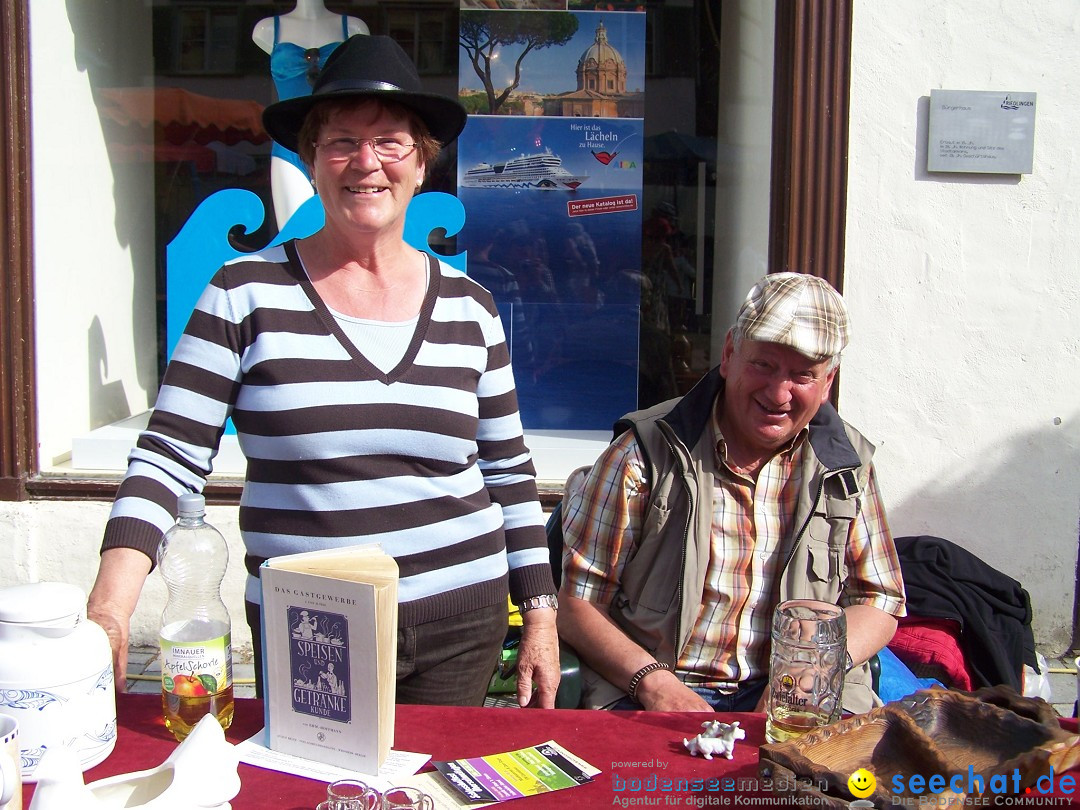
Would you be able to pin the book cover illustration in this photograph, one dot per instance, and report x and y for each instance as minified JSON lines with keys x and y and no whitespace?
{"x":319,"y":663}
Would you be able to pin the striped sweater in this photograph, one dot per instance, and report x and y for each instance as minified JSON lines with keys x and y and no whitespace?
{"x":429,"y":460}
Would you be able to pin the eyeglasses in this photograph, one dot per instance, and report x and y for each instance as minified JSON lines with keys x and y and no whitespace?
{"x":388,"y":150}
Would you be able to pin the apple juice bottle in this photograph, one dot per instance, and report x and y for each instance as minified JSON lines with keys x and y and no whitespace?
{"x":196,"y":644}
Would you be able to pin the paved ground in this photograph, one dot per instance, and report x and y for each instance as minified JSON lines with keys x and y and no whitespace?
{"x":144,"y":675}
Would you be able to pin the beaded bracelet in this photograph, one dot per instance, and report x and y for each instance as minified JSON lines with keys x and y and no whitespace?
{"x":641,"y":673}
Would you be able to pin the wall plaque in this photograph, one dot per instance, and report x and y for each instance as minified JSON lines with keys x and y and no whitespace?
{"x":985,"y":131}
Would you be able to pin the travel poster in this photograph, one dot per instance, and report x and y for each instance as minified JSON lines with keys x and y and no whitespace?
{"x":550,"y":174}
{"x":553,"y":230}
{"x":526,"y":772}
{"x":553,"y":63}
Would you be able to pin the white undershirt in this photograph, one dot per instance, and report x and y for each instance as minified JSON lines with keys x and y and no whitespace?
{"x":384,"y":343}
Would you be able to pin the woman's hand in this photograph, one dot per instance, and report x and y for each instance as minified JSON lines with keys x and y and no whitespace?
{"x":538,"y":660}
{"x":120,"y":578}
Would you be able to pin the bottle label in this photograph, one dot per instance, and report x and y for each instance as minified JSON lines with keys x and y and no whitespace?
{"x":196,"y":668}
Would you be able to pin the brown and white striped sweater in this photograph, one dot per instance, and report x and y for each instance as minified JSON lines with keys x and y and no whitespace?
{"x":429,"y":459}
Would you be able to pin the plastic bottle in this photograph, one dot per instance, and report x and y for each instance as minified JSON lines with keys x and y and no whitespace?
{"x":196,"y":631}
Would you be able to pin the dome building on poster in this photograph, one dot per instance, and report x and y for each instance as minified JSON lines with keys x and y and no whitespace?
{"x":601,"y":86}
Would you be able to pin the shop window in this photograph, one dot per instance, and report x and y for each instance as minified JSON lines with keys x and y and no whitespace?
{"x":100,"y":336}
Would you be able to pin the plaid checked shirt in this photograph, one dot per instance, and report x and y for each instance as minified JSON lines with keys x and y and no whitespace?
{"x":730,"y":639}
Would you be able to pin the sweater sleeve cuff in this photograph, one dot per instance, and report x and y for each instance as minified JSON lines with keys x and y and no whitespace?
{"x":532,"y":580}
{"x":127,"y":532}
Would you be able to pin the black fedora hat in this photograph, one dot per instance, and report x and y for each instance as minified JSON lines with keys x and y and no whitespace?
{"x":371,"y":66}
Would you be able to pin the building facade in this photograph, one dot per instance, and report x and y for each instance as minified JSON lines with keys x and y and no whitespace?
{"x":784,"y":135}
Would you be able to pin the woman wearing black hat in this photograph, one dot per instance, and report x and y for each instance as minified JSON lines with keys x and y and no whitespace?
{"x":371,"y":390}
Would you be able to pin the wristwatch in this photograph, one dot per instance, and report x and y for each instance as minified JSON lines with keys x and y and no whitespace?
{"x":544,"y":600}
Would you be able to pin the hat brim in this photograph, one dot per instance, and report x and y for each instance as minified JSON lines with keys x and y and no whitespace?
{"x":443,"y":117}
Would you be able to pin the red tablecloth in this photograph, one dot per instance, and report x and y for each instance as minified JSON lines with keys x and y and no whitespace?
{"x":625,"y":746}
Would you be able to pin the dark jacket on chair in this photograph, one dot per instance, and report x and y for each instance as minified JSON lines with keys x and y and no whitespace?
{"x":945,"y":581}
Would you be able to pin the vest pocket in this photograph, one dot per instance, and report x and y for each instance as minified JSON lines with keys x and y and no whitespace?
{"x":827,"y":540}
{"x":652,"y":575}
{"x":826,"y":564}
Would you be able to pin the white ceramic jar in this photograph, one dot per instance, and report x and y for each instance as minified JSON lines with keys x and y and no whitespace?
{"x":55,"y":674}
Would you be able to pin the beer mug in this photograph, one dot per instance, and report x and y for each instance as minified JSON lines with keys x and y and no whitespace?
{"x":349,"y":794}
{"x":806,"y":670}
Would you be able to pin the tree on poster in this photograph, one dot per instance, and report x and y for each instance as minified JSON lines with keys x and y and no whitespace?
{"x":483,"y":33}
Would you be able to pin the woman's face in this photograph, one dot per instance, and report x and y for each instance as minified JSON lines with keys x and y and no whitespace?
{"x":363,"y":192}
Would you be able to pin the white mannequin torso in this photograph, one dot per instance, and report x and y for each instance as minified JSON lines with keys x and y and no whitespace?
{"x":308,"y":25}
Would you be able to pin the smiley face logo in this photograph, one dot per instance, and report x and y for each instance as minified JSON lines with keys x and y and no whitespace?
{"x":861,"y":783}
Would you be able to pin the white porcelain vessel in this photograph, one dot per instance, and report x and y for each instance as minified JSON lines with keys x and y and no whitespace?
{"x":55,"y":674}
{"x":200,"y":774}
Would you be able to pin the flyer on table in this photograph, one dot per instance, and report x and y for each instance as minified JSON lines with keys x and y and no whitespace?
{"x":526,"y":772}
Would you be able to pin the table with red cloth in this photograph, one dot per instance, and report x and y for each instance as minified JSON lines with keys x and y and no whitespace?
{"x":638,"y":753}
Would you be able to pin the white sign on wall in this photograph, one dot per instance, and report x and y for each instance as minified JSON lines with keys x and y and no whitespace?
{"x":984,"y":131}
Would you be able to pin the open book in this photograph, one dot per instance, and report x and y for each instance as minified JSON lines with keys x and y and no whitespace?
{"x":329,"y":655}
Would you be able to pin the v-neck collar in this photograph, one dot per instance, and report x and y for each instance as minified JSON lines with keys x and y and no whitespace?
{"x":370,"y":370}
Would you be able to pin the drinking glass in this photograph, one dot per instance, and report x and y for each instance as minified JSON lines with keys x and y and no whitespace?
{"x":407,"y":798}
{"x":349,"y":794}
{"x":806,"y":670}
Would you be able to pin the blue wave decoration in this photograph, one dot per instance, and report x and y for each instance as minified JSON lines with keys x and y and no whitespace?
{"x":105,"y":735}
{"x":105,"y":679}
{"x":30,"y":757}
{"x":202,"y":245}
{"x":29,"y":699}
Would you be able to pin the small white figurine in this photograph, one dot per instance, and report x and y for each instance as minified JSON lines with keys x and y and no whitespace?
{"x":718,"y":738}
{"x":713,"y":728}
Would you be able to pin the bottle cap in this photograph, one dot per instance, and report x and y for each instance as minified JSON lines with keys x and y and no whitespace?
{"x":191,"y":503}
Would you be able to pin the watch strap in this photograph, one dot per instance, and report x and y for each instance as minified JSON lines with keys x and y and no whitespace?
{"x":544,"y":600}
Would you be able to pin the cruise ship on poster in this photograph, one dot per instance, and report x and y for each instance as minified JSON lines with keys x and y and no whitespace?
{"x":541,"y":170}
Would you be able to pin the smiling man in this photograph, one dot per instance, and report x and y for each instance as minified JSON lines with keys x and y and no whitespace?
{"x":707,"y":511}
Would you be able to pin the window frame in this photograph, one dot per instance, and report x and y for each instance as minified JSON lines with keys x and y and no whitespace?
{"x":813,"y":46}
{"x":212,"y":35}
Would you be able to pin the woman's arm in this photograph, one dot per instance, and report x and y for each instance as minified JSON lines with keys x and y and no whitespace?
{"x":120,"y":578}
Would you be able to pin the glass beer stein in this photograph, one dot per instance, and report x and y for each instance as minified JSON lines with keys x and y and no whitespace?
{"x":806,"y":670}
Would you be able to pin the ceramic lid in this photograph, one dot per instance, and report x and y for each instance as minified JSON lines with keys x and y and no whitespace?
{"x":39,"y":602}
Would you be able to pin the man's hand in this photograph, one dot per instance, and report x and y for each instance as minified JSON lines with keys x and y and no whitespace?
{"x":605,"y":648}
{"x":538,"y":660}
{"x":662,"y":691}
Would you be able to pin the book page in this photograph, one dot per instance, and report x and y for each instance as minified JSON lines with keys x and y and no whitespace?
{"x":361,"y":563}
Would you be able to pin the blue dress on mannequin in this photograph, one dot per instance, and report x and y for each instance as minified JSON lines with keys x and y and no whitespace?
{"x":293,"y":69}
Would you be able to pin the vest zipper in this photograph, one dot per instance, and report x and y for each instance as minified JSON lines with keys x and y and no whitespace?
{"x":686,"y":536}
